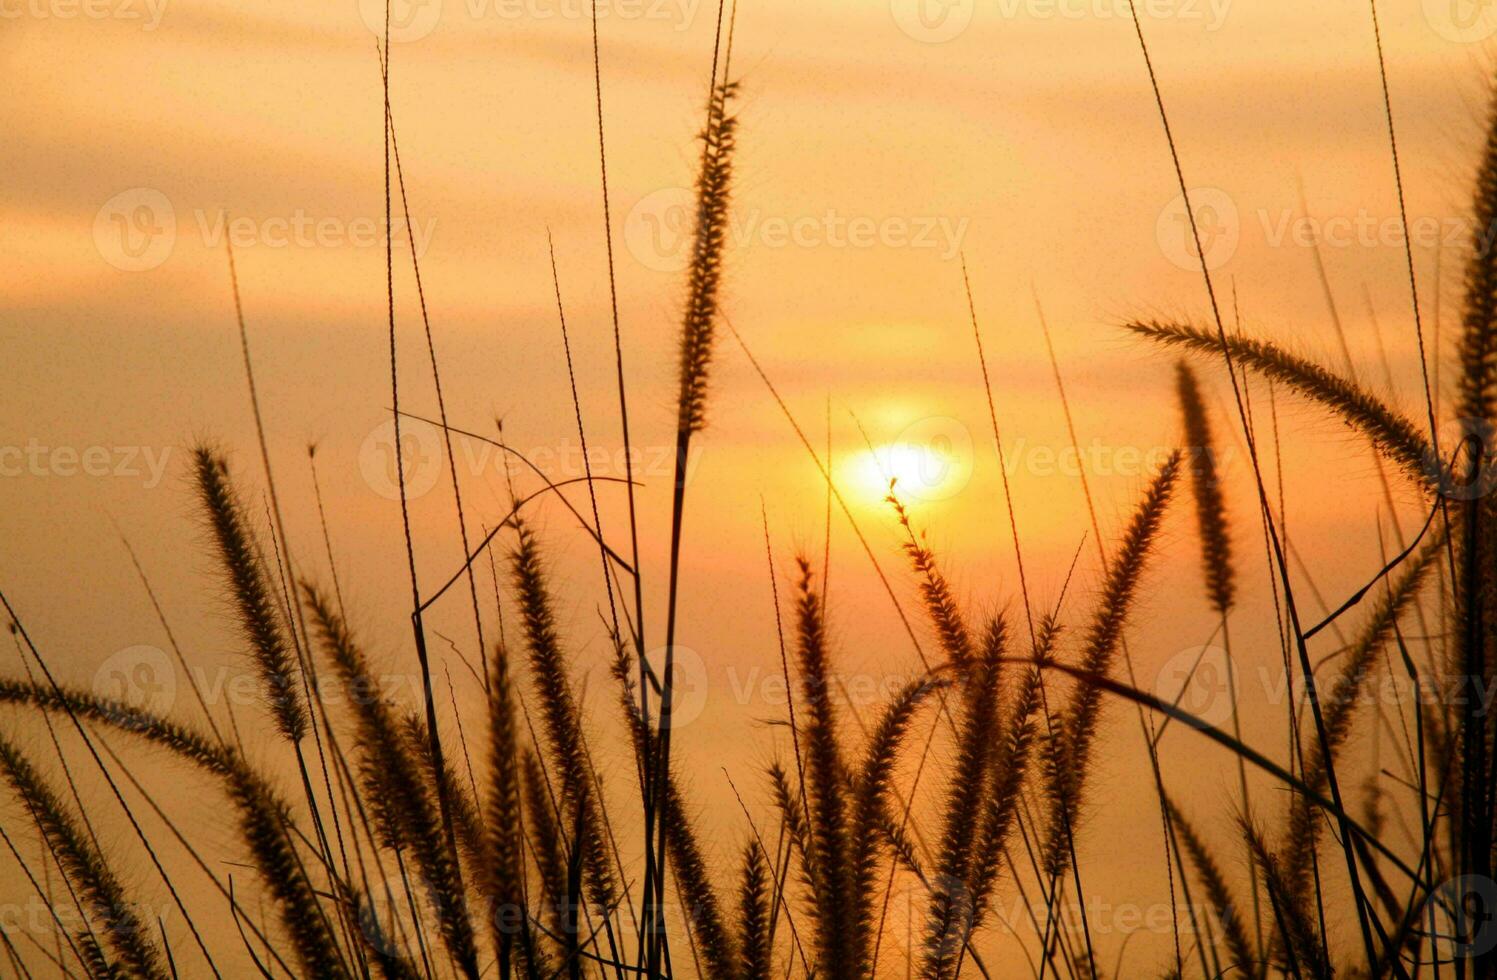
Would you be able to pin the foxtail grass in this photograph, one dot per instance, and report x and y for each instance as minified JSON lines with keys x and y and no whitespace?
{"x":1069,"y":748}
{"x":253,"y":597}
{"x":88,"y":872}
{"x":1391,"y":432}
{"x":407,"y":799}
{"x":263,"y":816}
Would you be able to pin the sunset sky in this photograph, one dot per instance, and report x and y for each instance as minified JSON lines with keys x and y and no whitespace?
{"x":881,"y":142}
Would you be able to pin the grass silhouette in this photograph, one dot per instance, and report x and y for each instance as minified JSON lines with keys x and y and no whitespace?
{"x":412,"y":853}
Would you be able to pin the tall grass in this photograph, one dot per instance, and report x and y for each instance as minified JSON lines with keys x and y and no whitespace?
{"x":506,"y":859}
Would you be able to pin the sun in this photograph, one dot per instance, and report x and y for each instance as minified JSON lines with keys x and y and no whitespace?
{"x":920,"y":469}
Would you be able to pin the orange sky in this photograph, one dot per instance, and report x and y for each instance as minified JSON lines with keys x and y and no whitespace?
{"x":880,"y":141}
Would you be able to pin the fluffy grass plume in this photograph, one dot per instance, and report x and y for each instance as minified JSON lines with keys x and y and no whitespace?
{"x":263,"y":816}
{"x":561,"y":724}
{"x":93,"y":881}
{"x":405,"y":797}
{"x":1205,"y":481}
{"x":258,"y":616}
{"x":1239,"y":946}
{"x":1394,"y":434}
{"x":709,"y":236}
{"x":1070,"y":748}
{"x":828,"y":831}
{"x":753,"y":911}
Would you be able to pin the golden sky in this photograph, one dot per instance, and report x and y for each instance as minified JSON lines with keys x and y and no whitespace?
{"x":881,"y":140}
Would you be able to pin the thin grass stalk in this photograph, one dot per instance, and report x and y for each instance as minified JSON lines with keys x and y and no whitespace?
{"x":713,"y":938}
{"x":1340,"y":702}
{"x":418,"y":628}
